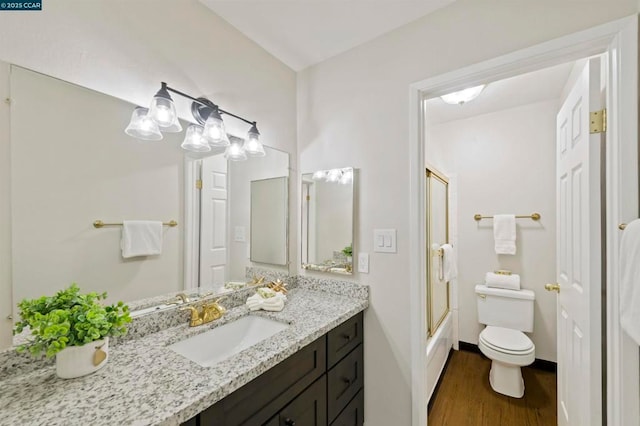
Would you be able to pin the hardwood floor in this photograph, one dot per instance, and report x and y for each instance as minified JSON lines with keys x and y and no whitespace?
{"x":465,"y":398}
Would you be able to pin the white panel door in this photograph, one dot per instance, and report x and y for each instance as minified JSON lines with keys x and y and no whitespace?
{"x":578,"y":254}
{"x":213,"y":222}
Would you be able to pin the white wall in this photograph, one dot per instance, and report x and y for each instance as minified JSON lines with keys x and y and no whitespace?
{"x":125,"y":48}
{"x":354,"y":109}
{"x":505,"y":163}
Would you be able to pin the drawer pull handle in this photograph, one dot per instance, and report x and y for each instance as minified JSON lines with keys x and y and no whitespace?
{"x":346,"y":337}
{"x":347,"y":381}
{"x":289,"y":422}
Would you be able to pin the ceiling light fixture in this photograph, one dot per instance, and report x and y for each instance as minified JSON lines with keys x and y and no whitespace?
{"x":463,"y":96}
{"x":161,"y":116}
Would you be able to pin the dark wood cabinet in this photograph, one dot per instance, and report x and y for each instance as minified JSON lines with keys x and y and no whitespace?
{"x":308,"y":409}
{"x":322,"y":384}
{"x":353,"y":414}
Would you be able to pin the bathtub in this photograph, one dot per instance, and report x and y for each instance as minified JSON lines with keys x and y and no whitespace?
{"x":438,"y":347}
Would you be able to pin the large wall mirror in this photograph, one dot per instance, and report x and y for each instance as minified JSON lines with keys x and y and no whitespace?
{"x":327,"y":220}
{"x":72,"y":164}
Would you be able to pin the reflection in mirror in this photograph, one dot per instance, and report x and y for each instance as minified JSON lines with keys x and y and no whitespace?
{"x":327,"y":220}
{"x":226,"y":216}
{"x":73,"y":165}
{"x":437,"y":234}
{"x":269,"y":205}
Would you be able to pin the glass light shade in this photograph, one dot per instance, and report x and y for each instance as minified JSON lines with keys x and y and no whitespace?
{"x":163,"y":112}
{"x":193,"y":140}
{"x":319,"y":175}
{"x":334,"y":175}
{"x":347,"y":177}
{"x":235,"y":152}
{"x":142,"y":126}
{"x":214,"y":131}
{"x":463,"y":96}
{"x":253,"y":147}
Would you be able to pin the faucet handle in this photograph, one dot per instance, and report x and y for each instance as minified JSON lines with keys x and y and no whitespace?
{"x":218,"y":306}
{"x":180,"y":296}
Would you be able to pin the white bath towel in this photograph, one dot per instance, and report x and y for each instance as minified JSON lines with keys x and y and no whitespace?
{"x":510,"y":282}
{"x":504,"y":233}
{"x":141,"y":238}
{"x":630,"y":280}
{"x":449,"y":267}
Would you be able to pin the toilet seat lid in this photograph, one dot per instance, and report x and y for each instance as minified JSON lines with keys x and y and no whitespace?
{"x":507,"y":339}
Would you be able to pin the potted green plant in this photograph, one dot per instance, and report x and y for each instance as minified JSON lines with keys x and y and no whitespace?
{"x":348,"y":251}
{"x":73,"y":327}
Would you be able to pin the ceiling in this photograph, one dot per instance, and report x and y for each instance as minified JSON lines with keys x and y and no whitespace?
{"x":523,"y":89}
{"x":301,"y":33}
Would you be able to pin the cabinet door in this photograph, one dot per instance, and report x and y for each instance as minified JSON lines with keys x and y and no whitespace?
{"x":353,"y":414}
{"x":309,"y":408}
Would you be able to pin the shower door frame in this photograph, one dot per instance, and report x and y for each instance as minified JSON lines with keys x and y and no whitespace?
{"x":431,"y":173}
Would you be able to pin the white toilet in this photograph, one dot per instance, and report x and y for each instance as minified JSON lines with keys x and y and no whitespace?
{"x":506,"y":314}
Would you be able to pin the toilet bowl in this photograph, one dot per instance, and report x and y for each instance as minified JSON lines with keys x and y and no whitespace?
{"x":508,"y":350}
{"x":507,"y":314}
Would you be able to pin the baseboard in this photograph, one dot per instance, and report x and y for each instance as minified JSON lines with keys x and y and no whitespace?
{"x":539,"y":364}
{"x":435,"y":390}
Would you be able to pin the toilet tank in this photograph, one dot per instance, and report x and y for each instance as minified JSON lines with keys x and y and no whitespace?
{"x":505,"y":308}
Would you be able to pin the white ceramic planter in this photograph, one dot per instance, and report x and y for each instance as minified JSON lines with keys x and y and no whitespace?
{"x":78,"y":361}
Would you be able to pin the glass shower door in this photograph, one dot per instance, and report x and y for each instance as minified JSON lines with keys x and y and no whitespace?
{"x":437,"y":235}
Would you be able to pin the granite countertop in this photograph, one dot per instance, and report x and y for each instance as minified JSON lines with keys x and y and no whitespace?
{"x":146,"y":383}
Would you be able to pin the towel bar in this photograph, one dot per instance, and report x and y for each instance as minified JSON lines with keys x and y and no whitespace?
{"x":532,"y":216}
{"x":100,"y":224}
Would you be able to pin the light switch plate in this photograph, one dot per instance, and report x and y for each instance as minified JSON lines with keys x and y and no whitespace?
{"x":384,"y":240}
{"x":363,"y":263}
{"x":240,"y":235}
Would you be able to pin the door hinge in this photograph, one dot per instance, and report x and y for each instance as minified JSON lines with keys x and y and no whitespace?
{"x":199,"y":183}
{"x":308,"y":197}
{"x":598,"y":121}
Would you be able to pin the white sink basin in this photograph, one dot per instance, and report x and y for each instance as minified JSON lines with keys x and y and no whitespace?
{"x":222,"y":342}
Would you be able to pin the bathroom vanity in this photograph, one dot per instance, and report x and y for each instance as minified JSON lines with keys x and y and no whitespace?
{"x":311,"y":373}
{"x":322,"y":384}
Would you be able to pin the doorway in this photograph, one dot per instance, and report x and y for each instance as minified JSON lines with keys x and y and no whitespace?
{"x":503,"y":150}
{"x":618,"y":39}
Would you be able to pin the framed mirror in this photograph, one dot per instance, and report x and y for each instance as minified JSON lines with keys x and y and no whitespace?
{"x":327,"y":220}
{"x":73,"y":165}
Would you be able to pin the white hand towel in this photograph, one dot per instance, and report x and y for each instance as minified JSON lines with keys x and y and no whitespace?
{"x":141,"y":238}
{"x":273,"y":304}
{"x":449,"y":268}
{"x":630,"y":280}
{"x":504,"y":233}
{"x":510,"y":282}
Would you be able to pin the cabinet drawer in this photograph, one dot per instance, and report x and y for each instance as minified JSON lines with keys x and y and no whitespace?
{"x":344,"y":382}
{"x":342,"y":339}
{"x":353,"y":414}
{"x":263,"y":397}
{"x":309,"y":408}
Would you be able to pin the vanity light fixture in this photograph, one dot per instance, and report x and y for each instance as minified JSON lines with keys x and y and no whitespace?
{"x":142,"y":126}
{"x":463,"y":96}
{"x":343,"y":176}
{"x":161,"y":116}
